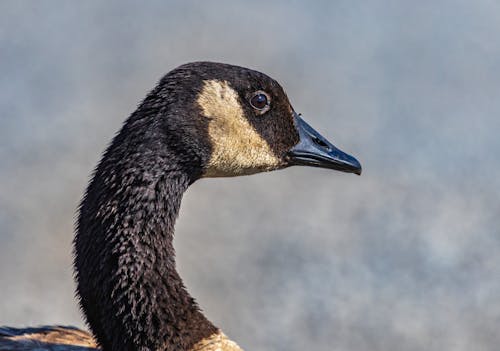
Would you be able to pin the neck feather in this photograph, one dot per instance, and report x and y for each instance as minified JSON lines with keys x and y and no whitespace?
{"x":127,"y":281}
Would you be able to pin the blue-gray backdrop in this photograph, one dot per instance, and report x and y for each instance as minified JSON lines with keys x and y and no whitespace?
{"x":405,"y":257}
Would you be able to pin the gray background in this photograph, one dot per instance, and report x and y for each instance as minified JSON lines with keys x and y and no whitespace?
{"x":405,"y":257}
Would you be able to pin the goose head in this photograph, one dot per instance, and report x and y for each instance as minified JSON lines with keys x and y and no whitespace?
{"x":241,"y":122}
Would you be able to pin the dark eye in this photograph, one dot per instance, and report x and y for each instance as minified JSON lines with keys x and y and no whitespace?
{"x":259,"y":101}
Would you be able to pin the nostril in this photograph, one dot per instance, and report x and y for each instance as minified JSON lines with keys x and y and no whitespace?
{"x":320,"y":142}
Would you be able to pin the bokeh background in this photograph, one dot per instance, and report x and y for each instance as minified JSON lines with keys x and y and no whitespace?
{"x":405,"y":257}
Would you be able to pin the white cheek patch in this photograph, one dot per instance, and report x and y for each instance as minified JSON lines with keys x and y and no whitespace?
{"x":237,"y":148}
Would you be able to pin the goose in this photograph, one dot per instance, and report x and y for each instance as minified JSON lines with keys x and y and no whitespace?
{"x":202,"y":119}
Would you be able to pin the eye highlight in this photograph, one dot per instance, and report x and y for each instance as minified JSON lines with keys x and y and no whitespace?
{"x":260,"y":101}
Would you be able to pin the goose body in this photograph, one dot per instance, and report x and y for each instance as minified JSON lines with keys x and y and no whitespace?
{"x":203,"y":119}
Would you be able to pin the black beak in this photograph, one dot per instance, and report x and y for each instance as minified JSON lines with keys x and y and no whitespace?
{"x":314,"y":150}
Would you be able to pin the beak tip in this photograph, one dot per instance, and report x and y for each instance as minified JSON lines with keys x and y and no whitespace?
{"x":353,"y":165}
{"x":357,"y":168}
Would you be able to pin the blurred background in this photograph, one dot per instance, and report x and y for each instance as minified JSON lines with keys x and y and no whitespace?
{"x":404,"y":257}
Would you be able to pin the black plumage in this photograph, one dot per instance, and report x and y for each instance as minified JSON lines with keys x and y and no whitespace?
{"x":128,"y":286}
{"x":186,"y":128}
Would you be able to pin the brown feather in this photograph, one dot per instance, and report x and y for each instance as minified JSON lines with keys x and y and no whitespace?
{"x":50,"y":338}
